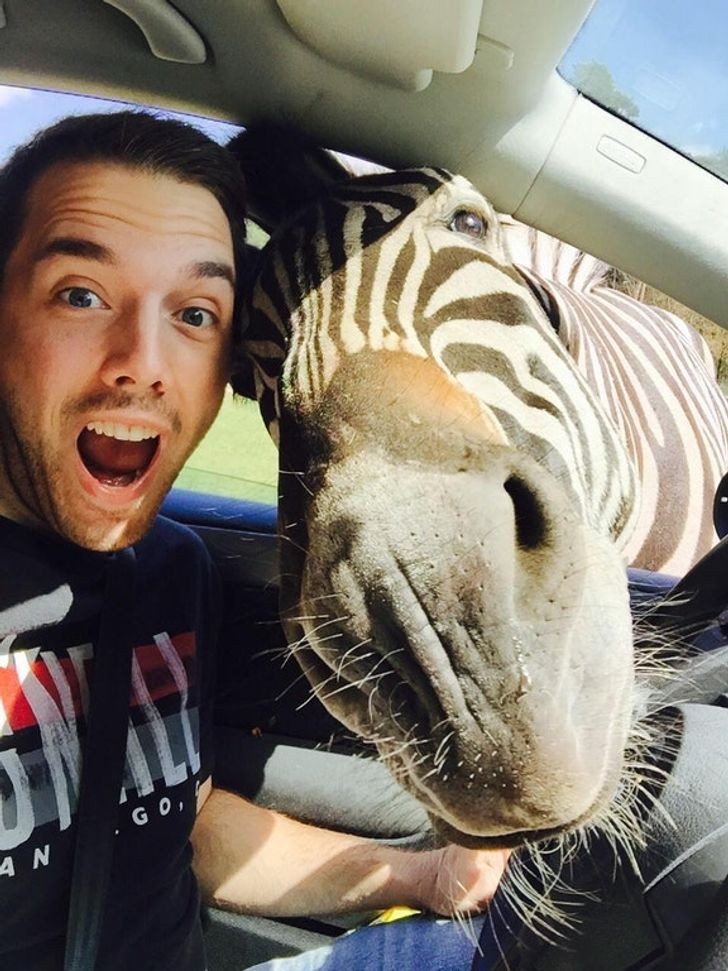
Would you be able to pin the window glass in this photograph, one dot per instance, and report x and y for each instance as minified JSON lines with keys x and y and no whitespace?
{"x":662,"y":65}
{"x":715,"y":336}
{"x":237,"y":457}
{"x":24,"y":111}
{"x":553,"y":259}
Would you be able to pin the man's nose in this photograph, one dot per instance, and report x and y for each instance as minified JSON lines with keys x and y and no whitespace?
{"x":134,"y":355}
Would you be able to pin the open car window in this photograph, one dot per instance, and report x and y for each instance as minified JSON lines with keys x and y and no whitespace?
{"x":660,"y":64}
{"x":237,"y":458}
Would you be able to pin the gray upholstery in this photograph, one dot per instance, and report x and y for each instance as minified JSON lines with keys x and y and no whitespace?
{"x":672,"y":920}
{"x":354,"y":795}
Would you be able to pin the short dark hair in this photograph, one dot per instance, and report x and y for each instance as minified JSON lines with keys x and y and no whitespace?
{"x":137,"y":139}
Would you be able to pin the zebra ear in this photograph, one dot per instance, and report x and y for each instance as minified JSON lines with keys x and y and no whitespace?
{"x":242,"y":379}
{"x":283,"y":171}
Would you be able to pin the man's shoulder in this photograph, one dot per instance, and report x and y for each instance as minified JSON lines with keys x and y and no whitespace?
{"x":168,"y":540}
{"x":174,"y":571}
{"x":170,"y":530}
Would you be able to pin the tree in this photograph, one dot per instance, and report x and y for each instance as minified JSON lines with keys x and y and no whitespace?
{"x":595,"y":81}
{"x":717,"y":162}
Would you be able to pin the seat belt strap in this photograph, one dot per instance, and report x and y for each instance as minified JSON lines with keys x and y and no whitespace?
{"x":103,"y":766}
{"x":699,"y":597}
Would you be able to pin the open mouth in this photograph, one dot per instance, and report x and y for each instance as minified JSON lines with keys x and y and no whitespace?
{"x":115,"y":454}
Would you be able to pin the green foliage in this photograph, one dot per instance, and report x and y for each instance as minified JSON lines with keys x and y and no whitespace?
{"x":236,"y":458}
{"x":595,"y":81}
{"x":717,"y":162}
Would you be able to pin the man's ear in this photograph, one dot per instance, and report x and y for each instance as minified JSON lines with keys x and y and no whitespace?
{"x":284,"y":171}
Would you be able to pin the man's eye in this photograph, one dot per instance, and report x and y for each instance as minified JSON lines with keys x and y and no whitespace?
{"x":197,"y":317}
{"x":81,"y":297}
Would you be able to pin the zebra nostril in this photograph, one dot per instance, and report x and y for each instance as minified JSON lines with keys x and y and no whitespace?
{"x":530,"y":521}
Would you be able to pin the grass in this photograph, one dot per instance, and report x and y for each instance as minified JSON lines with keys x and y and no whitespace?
{"x":236,"y":458}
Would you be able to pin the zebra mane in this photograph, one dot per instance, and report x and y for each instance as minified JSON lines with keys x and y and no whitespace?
{"x":284,"y":171}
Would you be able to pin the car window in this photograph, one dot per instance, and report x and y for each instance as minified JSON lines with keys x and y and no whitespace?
{"x":715,"y":336}
{"x":660,"y":64}
{"x":554,"y":260}
{"x":237,"y":457}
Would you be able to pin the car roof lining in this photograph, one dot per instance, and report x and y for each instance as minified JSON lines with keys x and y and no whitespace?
{"x":520,"y":132}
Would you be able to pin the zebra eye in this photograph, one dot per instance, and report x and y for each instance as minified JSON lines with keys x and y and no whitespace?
{"x":468,"y":222}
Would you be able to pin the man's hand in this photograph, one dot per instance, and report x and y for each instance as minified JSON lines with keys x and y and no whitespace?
{"x":461,"y":880}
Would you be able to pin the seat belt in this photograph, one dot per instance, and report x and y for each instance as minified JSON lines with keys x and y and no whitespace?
{"x":699,"y":597}
{"x":691,"y":606}
{"x":103,"y":766}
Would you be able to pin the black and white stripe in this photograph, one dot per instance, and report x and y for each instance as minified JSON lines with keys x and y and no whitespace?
{"x":354,"y":272}
{"x":655,"y":377}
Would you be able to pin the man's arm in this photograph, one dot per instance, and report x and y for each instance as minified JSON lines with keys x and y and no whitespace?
{"x":258,"y":861}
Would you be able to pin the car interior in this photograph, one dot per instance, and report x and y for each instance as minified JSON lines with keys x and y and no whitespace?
{"x":476,"y":86}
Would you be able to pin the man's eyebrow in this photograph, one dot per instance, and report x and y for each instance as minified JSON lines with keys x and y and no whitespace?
{"x":209,"y":269}
{"x":87,"y":249}
{"x":74,"y":246}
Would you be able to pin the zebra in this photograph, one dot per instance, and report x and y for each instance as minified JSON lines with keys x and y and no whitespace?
{"x":395,"y":404}
{"x":455,"y":504}
{"x":655,"y":377}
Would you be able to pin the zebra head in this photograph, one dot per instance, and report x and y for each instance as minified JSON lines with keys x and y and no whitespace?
{"x":452,"y":502}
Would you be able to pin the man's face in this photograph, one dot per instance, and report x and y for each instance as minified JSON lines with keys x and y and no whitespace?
{"x":115,"y":328}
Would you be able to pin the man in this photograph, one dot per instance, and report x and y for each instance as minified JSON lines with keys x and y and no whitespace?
{"x":121,"y":253}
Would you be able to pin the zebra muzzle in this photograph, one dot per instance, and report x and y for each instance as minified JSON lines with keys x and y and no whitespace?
{"x":482,"y":627}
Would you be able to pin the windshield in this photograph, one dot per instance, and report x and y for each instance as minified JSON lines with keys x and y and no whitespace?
{"x":663,"y":65}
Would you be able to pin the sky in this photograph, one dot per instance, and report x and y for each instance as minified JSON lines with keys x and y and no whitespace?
{"x":24,"y":111}
{"x":671,"y":58}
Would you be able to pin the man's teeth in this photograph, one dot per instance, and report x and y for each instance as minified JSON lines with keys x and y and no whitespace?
{"x":123,"y":433}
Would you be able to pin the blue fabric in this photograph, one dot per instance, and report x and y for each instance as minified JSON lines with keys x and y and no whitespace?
{"x":644,"y":585}
{"x":203,"y":509}
{"x":415,"y":942}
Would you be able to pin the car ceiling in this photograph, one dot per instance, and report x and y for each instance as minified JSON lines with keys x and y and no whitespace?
{"x":468,"y":84}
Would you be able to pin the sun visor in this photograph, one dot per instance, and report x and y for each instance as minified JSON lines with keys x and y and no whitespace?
{"x":398,"y":42}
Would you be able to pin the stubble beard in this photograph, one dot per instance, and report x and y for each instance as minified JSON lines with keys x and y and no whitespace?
{"x":32,"y":491}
